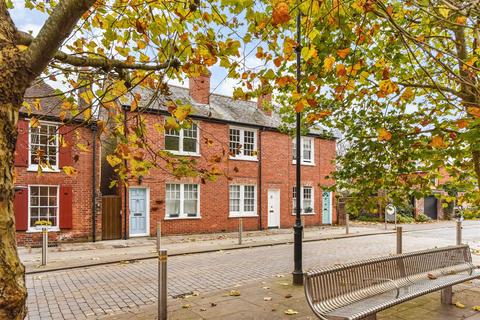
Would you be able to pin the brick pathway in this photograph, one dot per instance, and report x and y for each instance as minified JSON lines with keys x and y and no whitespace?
{"x":91,"y":292}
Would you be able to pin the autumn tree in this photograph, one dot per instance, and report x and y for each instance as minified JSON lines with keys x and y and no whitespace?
{"x":99,"y":53}
{"x":399,"y":79}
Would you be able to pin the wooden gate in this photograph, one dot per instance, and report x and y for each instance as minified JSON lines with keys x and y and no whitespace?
{"x":111,"y":218}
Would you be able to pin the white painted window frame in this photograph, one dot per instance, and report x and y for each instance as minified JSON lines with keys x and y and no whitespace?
{"x":312,"y":144}
{"x":32,"y":229}
{"x":242,"y":213}
{"x":34,"y":166}
{"x":180,"y":151}
{"x":303,"y":199}
{"x":241,"y":155}
{"x":182,"y":214}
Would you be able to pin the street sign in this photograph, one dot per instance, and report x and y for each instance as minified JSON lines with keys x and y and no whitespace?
{"x":390,"y":213}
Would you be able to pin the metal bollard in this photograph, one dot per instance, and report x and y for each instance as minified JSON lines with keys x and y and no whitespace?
{"x":44,"y":246}
{"x":347,"y":220}
{"x":399,"y":240}
{"x":162,"y":284}
{"x":159,"y":234}
{"x":240,"y":230}
{"x":459,"y":233}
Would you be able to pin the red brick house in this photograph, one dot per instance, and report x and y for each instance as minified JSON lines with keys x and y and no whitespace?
{"x":260,"y":169}
{"x":65,"y":202}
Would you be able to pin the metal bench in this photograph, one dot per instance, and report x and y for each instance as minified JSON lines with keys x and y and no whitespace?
{"x":361,"y":289}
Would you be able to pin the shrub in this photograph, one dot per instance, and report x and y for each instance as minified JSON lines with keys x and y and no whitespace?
{"x":422,"y":218}
{"x":404,"y":219}
{"x":471,"y":213}
{"x":369,"y":219}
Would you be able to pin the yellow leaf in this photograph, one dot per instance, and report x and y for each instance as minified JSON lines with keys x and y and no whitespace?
{"x":328,"y":63}
{"x":182,"y":112}
{"x":476,"y":308}
{"x":343,"y":52}
{"x":234,"y":293}
{"x":21,"y":47}
{"x":308,"y":53}
{"x":437,"y":142}
{"x":69,"y":170}
{"x":82,"y":147}
{"x":444,"y":12}
{"x":470,"y":63}
{"x":113,"y":160}
{"x":460,"y":305}
{"x":384,"y":135}
{"x":474,"y":111}
{"x":290,"y":312}
{"x":171,"y":123}
{"x":34,"y":123}
{"x":144,"y":58}
{"x":407,"y":94}
{"x":387,"y":86}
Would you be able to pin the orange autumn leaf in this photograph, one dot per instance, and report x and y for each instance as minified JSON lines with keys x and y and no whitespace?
{"x":342,"y":53}
{"x":328,"y":63}
{"x":462,"y":123}
{"x":280,"y":14}
{"x":384,"y":135}
{"x":437,"y":142}
{"x":474,"y":111}
{"x":277,"y":61}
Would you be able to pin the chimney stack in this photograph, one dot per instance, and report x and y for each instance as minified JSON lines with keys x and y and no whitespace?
{"x":199,"y":88}
{"x":267,"y":98}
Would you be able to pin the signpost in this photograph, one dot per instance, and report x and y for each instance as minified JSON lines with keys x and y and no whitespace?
{"x":390,"y":214}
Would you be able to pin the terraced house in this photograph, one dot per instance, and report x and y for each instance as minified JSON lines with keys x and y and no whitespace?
{"x":66,"y":204}
{"x":259,"y":181}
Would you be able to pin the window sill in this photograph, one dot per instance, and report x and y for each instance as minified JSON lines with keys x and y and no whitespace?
{"x":34,"y":168}
{"x":184,"y":154}
{"x":311,"y":164}
{"x":39,"y":230}
{"x":255,"y":159}
{"x":236,"y":215}
{"x":305,"y":214}
{"x":182,"y":218}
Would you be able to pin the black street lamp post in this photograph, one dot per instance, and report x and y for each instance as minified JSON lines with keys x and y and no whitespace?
{"x":298,"y":228}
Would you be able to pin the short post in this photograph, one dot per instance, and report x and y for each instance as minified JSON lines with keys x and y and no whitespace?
{"x":240,"y":230}
{"x":459,"y":232}
{"x":399,"y":240}
{"x":159,"y":234}
{"x":44,"y":246}
{"x":162,"y":284}
{"x":347,"y":221}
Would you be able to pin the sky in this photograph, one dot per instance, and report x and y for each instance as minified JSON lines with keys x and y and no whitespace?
{"x":32,"y":21}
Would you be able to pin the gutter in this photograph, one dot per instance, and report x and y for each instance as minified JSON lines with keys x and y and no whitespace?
{"x":260,"y":186}
{"x":94,"y":181}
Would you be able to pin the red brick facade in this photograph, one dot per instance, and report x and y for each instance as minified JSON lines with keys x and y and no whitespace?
{"x":74,"y":191}
{"x":274,"y":163}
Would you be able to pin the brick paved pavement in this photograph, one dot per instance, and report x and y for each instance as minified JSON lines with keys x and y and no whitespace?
{"x":91,"y":292}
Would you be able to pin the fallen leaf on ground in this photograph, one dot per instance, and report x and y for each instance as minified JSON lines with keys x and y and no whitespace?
{"x":290,"y":312}
{"x":280,"y":276}
{"x":476,"y":308}
{"x":234,"y":293}
{"x":213,"y":304}
{"x":459,"y":305}
{"x":266,"y":288}
{"x":267,"y":299}
{"x":186,"y":306}
{"x":284,"y":283}
{"x":431,"y":276}
{"x":203,"y":309}
{"x":288,"y":295}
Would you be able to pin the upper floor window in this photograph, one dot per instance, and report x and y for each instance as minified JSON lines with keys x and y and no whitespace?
{"x":306,"y":150}
{"x":43,"y":206}
{"x":183,"y":141}
{"x":243,"y":143}
{"x":182,"y":200}
{"x":243,"y":200}
{"x":43,"y":145}
{"x":307,"y":198}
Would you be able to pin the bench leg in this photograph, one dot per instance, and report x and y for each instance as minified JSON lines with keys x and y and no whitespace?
{"x":447,"y":295}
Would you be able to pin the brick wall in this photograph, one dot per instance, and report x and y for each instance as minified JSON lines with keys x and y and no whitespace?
{"x":81,"y":184}
{"x":278,"y":172}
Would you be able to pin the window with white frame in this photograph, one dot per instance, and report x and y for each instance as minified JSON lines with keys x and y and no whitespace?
{"x":243,"y":200}
{"x":243,"y":143}
{"x":43,"y":206}
{"x":306,"y":200}
{"x":43,"y":145}
{"x":182,"y":200}
{"x":306,"y":150}
{"x":183,"y":141}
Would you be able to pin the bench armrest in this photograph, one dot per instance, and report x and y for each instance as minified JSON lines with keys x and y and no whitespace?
{"x":385,"y":279}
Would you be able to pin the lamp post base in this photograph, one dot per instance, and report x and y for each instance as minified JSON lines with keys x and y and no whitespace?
{"x":298,"y":272}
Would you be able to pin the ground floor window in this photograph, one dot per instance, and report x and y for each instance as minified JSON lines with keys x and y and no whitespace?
{"x":243,"y":200}
{"x":306,"y":201}
{"x":43,"y":206}
{"x":182,"y":200}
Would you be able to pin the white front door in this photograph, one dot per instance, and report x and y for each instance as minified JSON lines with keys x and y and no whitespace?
{"x":274,"y":208}
{"x":138,"y":212}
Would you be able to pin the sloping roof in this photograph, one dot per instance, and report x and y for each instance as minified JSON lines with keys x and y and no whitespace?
{"x":220,"y":107}
{"x":50,"y":103}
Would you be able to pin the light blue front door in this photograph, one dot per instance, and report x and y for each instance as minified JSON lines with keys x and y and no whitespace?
{"x":326,"y":207}
{"x":138,"y":212}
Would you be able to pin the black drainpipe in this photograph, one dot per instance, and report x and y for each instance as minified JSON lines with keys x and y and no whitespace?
{"x":125,"y":108}
{"x":94,"y":181}
{"x":260,"y":187}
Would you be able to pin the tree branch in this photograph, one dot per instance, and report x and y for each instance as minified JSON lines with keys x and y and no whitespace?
{"x":103,"y":63}
{"x":429,"y":86}
{"x":56,"y":29}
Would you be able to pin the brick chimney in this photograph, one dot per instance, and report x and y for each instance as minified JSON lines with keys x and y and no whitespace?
{"x":199,"y":88}
{"x":267,"y":98}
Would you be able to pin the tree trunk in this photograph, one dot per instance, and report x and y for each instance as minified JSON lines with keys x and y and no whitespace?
{"x":476,"y":165}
